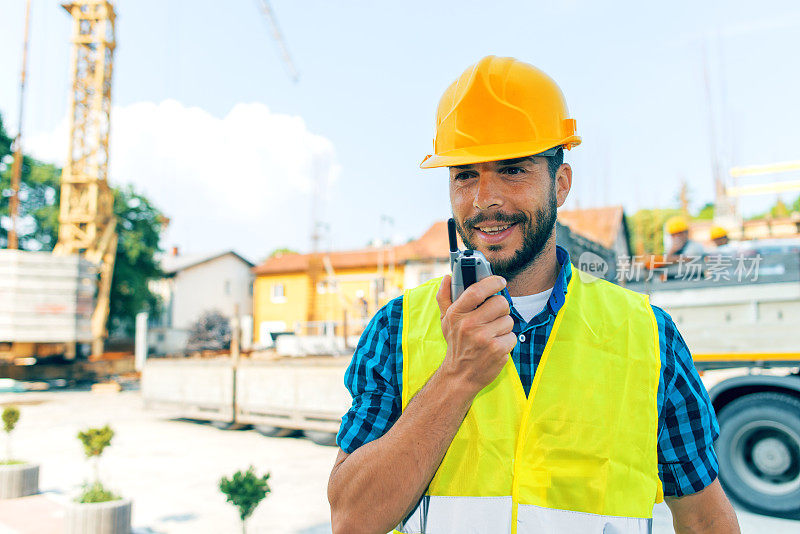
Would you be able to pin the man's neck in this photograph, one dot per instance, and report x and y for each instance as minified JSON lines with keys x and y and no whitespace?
{"x":539,"y":276}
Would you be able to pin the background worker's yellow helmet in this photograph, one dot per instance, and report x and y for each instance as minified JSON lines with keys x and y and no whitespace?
{"x":677,"y":224}
{"x":717,"y":232}
{"x":500,"y":108}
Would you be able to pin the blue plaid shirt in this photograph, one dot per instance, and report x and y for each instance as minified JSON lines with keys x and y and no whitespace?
{"x":687,"y":426}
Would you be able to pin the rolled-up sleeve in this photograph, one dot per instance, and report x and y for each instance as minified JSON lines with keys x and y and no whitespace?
{"x":372,"y":378}
{"x":688,"y":426}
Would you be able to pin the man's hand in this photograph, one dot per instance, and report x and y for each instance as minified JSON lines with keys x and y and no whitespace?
{"x":478,"y":329}
{"x":705,"y":512}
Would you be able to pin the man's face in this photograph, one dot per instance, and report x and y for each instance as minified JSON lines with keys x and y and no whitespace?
{"x":507,"y":209}
{"x":679,"y":239}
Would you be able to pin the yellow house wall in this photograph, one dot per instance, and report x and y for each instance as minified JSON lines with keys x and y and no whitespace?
{"x":290,"y":310}
{"x":330,"y":306}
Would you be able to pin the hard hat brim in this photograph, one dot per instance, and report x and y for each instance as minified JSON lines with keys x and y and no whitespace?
{"x":677,"y":229}
{"x":480,"y":154}
{"x":717,"y":234}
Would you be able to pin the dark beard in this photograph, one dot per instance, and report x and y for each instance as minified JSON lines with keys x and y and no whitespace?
{"x":535,"y":234}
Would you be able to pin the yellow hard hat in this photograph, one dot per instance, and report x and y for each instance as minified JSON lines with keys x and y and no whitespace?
{"x":717,"y":232}
{"x":500,"y":108}
{"x":677,"y":224}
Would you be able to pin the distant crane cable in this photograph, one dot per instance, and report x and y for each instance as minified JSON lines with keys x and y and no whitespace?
{"x":16,"y":170}
{"x":276,"y":34}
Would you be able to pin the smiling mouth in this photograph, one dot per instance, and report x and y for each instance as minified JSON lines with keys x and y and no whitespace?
{"x":492,"y":230}
{"x":494,"y":233}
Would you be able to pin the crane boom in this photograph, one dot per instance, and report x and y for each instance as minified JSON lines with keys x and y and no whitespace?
{"x":266,"y":9}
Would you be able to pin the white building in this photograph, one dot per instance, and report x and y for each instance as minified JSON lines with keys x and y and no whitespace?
{"x":195,"y":284}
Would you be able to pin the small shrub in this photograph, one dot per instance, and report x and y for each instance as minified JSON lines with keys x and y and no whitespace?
{"x":95,"y":440}
{"x":96,"y":492}
{"x":212,"y":331}
{"x":10,"y":419}
{"x":245,"y":490}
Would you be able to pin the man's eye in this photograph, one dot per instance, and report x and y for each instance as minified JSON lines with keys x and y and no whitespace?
{"x":462,"y":176}
{"x":514,"y":170}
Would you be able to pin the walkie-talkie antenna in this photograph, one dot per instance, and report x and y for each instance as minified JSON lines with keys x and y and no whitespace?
{"x":451,"y":230}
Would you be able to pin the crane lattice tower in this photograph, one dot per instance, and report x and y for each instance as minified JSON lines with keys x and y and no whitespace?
{"x":87,"y":223}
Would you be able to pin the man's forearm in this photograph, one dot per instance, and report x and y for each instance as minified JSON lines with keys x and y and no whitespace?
{"x":376,"y":486}
{"x":705,"y":512}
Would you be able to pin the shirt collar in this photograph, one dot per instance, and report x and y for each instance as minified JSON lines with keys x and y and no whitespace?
{"x":557,"y":297}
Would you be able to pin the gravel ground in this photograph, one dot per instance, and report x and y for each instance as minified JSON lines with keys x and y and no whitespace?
{"x":170,"y":468}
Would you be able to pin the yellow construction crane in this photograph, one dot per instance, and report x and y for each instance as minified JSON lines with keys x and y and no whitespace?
{"x":762,"y":170}
{"x":278,"y":36}
{"x":87,"y":222}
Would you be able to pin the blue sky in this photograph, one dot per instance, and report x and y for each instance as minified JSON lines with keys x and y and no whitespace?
{"x":209,"y":125}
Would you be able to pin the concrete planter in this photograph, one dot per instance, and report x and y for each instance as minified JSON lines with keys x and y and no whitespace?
{"x":112,"y":517}
{"x":18,"y":480}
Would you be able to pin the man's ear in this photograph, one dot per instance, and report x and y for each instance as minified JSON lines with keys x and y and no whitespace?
{"x":563,"y":183}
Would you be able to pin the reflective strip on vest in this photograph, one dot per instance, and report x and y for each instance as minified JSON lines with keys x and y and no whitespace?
{"x":540,"y":520}
{"x":492,"y":515}
{"x":436,"y":515}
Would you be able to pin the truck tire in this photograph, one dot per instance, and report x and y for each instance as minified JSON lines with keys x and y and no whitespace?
{"x":327,"y":439}
{"x":228,"y":425}
{"x":759,"y":452}
{"x":275,"y":431}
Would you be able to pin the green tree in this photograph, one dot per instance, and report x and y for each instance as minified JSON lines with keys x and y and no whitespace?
{"x":706,"y":213}
{"x":95,"y":441}
{"x":281,"y":252}
{"x":779,"y":209}
{"x":38,"y":193}
{"x":10,"y":419}
{"x":139,"y":224}
{"x":245,"y":490}
{"x":648,"y":230}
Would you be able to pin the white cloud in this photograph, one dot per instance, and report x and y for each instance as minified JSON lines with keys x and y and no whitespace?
{"x":242,"y":181}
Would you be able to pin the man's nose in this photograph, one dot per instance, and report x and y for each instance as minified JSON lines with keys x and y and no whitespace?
{"x":487,"y":194}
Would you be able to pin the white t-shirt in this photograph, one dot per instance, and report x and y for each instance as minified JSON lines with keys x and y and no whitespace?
{"x":529,"y":305}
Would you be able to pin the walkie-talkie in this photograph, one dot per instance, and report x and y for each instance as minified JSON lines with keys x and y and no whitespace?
{"x":468,"y":266}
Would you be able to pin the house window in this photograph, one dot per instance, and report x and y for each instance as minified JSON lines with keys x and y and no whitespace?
{"x":227,"y":287}
{"x":278,"y":293}
{"x":327,"y":286}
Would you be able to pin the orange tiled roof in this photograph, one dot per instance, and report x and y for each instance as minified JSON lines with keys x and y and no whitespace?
{"x":598,"y":224}
{"x":434,"y":244}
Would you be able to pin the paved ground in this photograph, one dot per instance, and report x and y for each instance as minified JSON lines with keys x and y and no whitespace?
{"x":170,"y":468}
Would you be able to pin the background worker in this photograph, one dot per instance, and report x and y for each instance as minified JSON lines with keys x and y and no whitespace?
{"x":719,"y":236}
{"x":684,"y":257}
{"x":597,"y":411}
{"x":680,"y":244}
{"x":720,"y":262}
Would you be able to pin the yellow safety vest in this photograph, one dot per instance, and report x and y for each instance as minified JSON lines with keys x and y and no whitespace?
{"x":579,"y":454}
